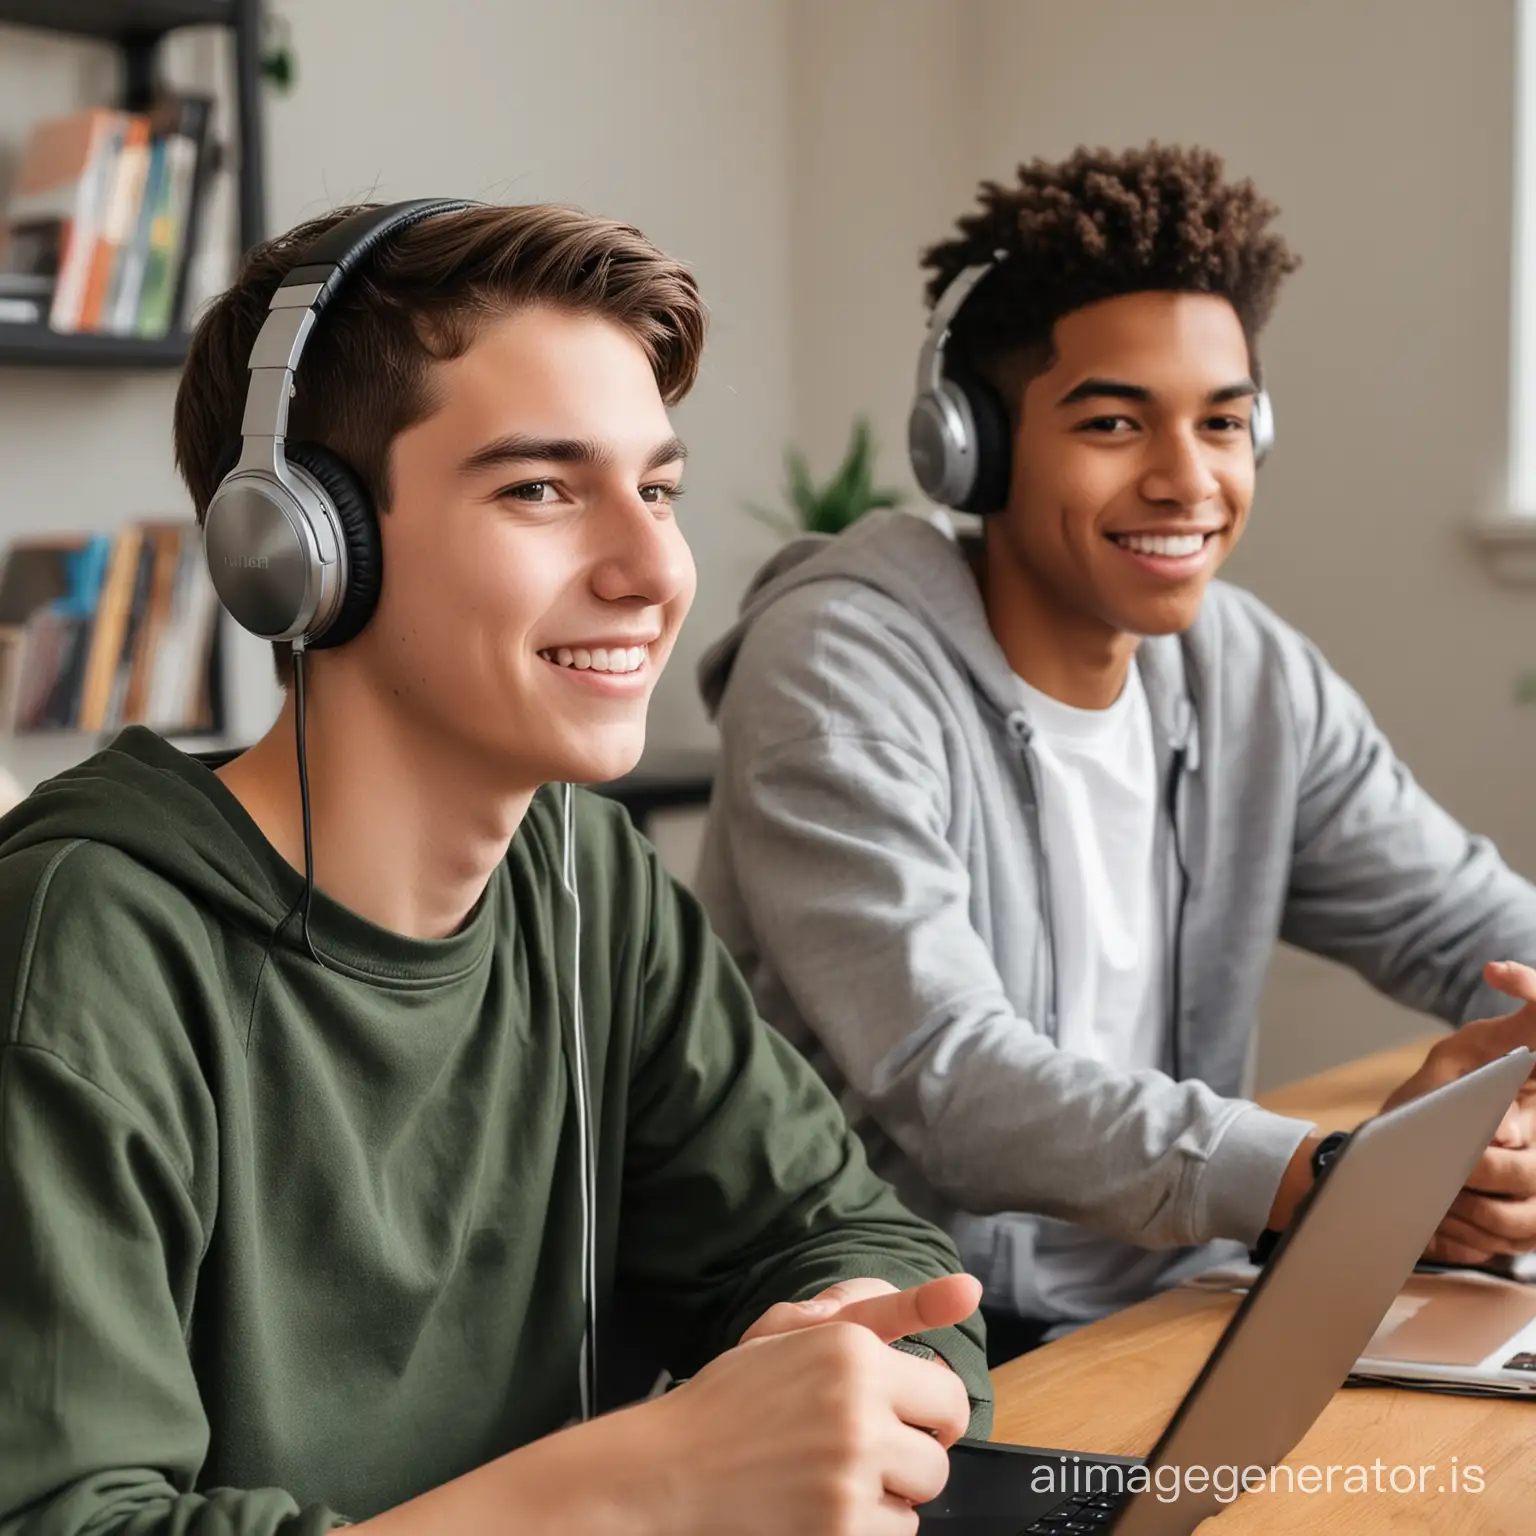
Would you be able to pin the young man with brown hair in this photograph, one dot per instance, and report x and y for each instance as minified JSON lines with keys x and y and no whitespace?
{"x":312,"y":1194}
{"x":1006,"y":827}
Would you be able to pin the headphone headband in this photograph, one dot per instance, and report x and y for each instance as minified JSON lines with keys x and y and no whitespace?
{"x":304,"y":294}
{"x":290,"y":538}
{"x":930,"y":361}
{"x":335,"y":252}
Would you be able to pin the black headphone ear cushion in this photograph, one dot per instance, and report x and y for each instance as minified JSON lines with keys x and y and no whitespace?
{"x":360,"y":532}
{"x":227,"y":463}
{"x":994,"y":446}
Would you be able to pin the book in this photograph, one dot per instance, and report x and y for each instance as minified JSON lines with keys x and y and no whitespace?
{"x":128,"y":279}
{"x":111,"y":624}
{"x":50,"y":586}
{"x":176,"y":220}
{"x":53,"y":215}
{"x":25,"y":296}
{"x":106,"y":216}
{"x":118,"y":215}
{"x":98,"y":632}
{"x":179,"y":689}
{"x":15,"y":311}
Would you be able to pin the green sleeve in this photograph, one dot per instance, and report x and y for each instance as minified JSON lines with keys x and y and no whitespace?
{"x":101,"y":1424}
{"x":743,"y":1184}
{"x":102,"y":1428}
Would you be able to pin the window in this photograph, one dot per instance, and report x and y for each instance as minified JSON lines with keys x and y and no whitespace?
{"x":1522,"y":426}
{"x":1509,"y":538}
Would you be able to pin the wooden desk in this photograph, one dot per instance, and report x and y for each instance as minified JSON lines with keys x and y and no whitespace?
{"x":1113,"y":1386}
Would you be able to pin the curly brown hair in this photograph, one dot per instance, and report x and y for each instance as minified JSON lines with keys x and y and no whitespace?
{"x":422,"y":298}
{"x":1098,"y":225}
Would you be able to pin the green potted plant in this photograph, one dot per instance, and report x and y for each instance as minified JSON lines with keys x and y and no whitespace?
{"x":842,"y":501}
{"x":279,"y":64}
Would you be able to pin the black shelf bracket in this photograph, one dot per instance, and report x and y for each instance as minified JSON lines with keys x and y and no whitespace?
{"x":139,"y":50}
{"x":252,"y":179}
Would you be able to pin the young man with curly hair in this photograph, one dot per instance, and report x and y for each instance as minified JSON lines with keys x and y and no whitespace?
{"x":307,"y":1194}
{"x":1007,"y":827}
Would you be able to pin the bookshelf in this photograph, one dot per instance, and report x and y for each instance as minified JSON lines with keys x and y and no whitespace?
{"x":35,"y":346}
{"x":135,"y":28}
{"x":117,"y":20}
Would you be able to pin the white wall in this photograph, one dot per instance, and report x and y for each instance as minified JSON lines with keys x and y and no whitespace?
{"x":881,"y":159}
{"x":1383,"y":129}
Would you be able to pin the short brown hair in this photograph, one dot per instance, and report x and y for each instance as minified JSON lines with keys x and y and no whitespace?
{"x":421,"y":298}
{"x":1099,"y":225}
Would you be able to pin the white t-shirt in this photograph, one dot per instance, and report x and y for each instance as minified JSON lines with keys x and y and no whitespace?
{"x":1099,"y":810}
{"x":1098,"y":816}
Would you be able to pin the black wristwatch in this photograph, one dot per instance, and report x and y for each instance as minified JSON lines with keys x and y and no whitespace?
{"x":1323,"y":1154}
{"x":1326,"y":1151}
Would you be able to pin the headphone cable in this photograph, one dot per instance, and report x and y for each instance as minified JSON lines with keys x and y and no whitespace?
{"x":309,"y":854}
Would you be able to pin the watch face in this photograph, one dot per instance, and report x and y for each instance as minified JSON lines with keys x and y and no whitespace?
{"x":1328,"y":1149}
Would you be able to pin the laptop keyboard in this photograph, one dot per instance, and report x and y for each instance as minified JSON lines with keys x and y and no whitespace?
{"x":1079,"y":1513}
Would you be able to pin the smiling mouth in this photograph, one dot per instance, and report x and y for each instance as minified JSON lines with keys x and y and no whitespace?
{"x":1173,"y":546}
{"x":614,"y":658}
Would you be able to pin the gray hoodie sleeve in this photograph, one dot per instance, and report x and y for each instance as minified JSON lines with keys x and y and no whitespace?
{"x":1383,"y":879}
{"x":834,"y":801}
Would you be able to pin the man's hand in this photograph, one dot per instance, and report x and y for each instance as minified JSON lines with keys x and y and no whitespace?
{"x":877,"y":1305}
{"x":816,"y":1425}
{"x":811,"y":1425}
{"x":1496,"y":1210}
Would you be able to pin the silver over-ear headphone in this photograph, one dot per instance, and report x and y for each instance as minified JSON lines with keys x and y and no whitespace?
{"x":959,"y":436}
{"x":1261,"y":424}
{"x":291,"y":536}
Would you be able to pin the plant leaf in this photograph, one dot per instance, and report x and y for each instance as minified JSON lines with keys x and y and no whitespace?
{"x":802,"y":490}
{"x":775,"y":520}
{"x":845,"y":498}
{"x":854,"y":470}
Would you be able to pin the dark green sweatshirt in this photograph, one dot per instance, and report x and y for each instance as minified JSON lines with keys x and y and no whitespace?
{"x":283,"y":1244}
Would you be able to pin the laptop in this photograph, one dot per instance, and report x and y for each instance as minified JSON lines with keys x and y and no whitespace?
{"x":1329,"y":1283}
{"x":1468,"y":1329}
{"x":1457,"y":1331}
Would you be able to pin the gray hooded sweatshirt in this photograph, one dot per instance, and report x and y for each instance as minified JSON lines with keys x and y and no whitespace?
{"x":874,"y":861}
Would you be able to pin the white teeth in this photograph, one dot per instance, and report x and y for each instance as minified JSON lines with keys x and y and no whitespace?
{"x":1175,"y":545}
{"x":617,"y":658}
